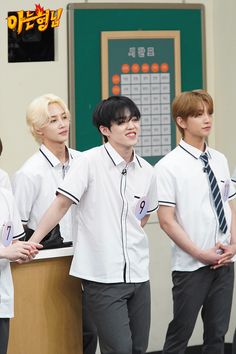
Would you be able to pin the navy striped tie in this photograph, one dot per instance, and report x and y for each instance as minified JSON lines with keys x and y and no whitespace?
{"x":215,"y":190}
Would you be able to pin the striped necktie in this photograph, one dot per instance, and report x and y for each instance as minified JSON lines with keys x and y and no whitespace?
{"x":215,"y":190}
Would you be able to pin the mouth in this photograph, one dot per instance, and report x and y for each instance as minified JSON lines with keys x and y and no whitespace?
{"x":64,"y":132}
{"x":131,"y":134}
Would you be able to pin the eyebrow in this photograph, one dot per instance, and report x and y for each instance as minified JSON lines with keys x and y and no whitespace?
{"x":55,"y":115}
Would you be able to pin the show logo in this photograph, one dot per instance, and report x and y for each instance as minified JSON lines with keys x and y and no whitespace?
{"x":39,"y":18}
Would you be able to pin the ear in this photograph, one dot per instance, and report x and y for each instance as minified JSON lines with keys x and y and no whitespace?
{"x":104,"y":130}
{"x":38,"y":131}
{"x":181,"y":122}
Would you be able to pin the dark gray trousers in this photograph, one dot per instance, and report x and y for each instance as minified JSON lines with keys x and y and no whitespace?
{"x":4,"y":334}
{"x":234,"y":343}
{"x":89,"y":329}
{"x":207,"y":290}
{"x":121,"y":313}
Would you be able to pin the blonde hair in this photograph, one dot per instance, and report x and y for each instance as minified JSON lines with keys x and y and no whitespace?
{"x":187,"y":104}
{"x":37,"y":114}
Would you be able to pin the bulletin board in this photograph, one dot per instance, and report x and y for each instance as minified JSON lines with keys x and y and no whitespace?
{"x":145,"y":66}
{"x":87,"y":22}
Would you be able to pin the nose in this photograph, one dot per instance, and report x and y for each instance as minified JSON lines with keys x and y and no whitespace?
{"x":207,"y":117}
{"x":61,"y":122}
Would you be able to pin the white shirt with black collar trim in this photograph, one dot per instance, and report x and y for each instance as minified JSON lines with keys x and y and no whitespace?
{"x":183,"y":184}
{"x":112,"y":246}
{"x":5,"y":180}
{"x":34,"y":187}
{"x":9,"y":213}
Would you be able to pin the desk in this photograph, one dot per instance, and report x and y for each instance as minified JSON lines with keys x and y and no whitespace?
{"x":47,"y":306}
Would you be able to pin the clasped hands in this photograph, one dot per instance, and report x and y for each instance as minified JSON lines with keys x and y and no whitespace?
{"x":225,"y":253}
{"x":22,"y":251}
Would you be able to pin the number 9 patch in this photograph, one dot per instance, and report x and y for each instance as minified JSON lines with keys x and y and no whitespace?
{"x":141,"y":208}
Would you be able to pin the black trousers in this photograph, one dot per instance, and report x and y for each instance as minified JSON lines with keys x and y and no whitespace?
{"x":89,"y":329}
{"x":4,"y":334}
{"x":234,"y":343}
{"x":207,"y":290}
{"x":121,"y":313}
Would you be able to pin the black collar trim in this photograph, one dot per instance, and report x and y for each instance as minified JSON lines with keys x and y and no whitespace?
{"x":188,"y":152}
{"x":46,"y":157}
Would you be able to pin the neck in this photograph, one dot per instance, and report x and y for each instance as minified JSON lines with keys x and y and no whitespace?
{"x":126,"y":152}
{"x":198,"y":143}
{"x":128,"y":156}
{"x":59,"y":150}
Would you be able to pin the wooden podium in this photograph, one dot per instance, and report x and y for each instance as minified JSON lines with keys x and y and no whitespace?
{"x":47,"y":308}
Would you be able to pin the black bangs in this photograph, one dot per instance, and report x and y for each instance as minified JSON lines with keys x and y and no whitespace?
{"x":125,"y":109}
{"x":114,"y":109}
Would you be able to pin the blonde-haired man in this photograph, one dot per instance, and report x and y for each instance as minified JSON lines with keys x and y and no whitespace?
{"x":35,"y":183}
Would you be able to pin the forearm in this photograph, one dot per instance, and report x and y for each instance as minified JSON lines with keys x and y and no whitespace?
{"x":173,"y":229}
{"x":51,"y":218}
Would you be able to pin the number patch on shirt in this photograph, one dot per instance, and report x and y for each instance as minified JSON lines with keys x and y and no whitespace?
{"x":225,"y":192}
{"x":141,"y":208}
{"x":7,"y":233}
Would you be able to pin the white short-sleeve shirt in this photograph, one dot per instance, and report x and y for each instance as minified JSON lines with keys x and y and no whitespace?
{"x":183,"y":184}
{"x":112,"y":246}
{"x":5,"y":180}
{"x":34,"y":187}
{"x":234,"y":176}
{"x":8,"y":213}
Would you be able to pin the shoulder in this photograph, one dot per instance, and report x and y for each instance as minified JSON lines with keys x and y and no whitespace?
{"x":3,"y":173}
{"x":86,"y":158}
{"x":170,"y":159}
{"x":74,"y":153}
{"x":143,"y":163}
{"x":5,"y":180}
{"x":93,"y":153}
{"x":35,"y":166}
{"x":217,"y":155}
{"x":32,"y":162}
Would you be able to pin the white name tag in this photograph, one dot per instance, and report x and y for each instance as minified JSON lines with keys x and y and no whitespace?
{"x":225,"y":192}
{"x":141,"y":208}
{"x":7,"y":233}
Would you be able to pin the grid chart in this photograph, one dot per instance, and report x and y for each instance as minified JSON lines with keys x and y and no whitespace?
{"x":144,"y":65}
{"x":149,"y":87}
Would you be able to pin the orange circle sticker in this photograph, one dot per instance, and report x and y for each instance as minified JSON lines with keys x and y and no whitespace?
{"x":116,"y":90}
{"x":155,"y":67}
{"x":164,"y":67}
{"x":135,"y":68}
{"x":125,"y":68}
{"x":116,"y":79}
{"x":145,"y":67}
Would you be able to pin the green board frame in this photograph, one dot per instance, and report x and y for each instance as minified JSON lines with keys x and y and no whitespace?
{"x":86,"y":22}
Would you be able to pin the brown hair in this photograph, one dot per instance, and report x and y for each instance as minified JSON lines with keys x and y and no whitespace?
{"x":187,"y":104}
